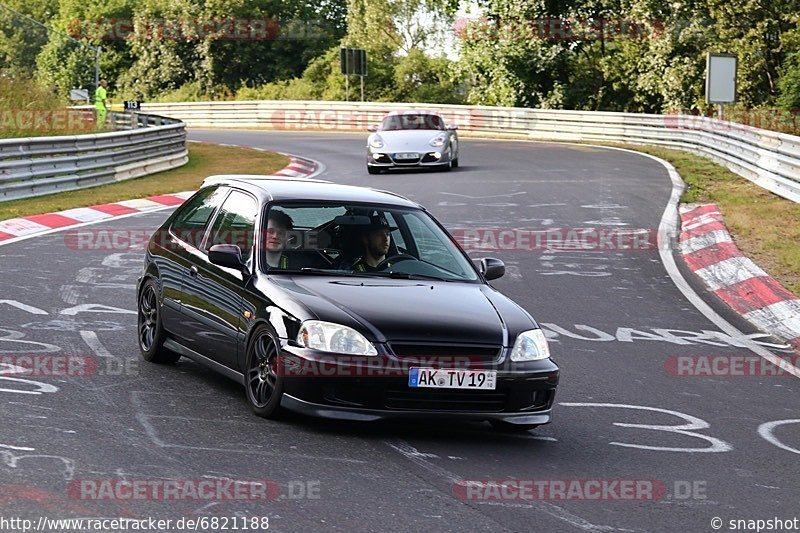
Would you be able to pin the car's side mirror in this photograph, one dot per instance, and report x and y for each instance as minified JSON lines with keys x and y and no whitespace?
{"x":492,"y":268}
{"x":226,"y":255}
{"x":372,"y":127}
{"x":452,"y":127}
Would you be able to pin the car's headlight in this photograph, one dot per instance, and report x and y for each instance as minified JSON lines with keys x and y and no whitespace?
{"x":439,"y":140}
{"x":329,"y":337}
{"x":531,"y":345}
{"x":376,"y":142}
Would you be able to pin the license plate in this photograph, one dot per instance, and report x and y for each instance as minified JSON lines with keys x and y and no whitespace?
{"x":445,"y":378}
{"x":406,"y":155}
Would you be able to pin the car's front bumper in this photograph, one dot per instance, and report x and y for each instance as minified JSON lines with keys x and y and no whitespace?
{"x":369,"y":415}
{"x":424,"y":159}
{"x":348,"y":390}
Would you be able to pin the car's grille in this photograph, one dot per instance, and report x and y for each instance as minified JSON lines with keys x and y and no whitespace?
{"x":482,"y":354}
{"x":445,"y":400}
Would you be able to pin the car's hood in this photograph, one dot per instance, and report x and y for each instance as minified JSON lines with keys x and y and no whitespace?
{"x":410,"y":140}
{"x":402,"y":310}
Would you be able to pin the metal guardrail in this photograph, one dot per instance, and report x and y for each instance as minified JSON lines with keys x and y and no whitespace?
{"x":767,"y":158}
{"x":35,"y":166}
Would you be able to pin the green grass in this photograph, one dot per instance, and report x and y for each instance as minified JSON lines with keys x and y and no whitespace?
{"x":204,"y":160}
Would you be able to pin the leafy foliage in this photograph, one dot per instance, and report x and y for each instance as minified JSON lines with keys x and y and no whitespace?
{"x":620,"y":55}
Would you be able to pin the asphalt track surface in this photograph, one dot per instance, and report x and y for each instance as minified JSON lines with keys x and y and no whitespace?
{"x":615,"y":319}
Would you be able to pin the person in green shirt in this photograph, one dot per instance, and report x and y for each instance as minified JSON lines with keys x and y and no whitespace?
{"x":100,"y":97}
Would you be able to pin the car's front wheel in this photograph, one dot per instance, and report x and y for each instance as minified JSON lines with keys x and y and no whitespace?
{"x":263,"y":382}
{"x":373,"y":170}
{"x":150,"y":329}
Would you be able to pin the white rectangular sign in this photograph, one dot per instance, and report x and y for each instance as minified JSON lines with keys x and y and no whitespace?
{"x":79,"y":94}
{"x":720,"y":78}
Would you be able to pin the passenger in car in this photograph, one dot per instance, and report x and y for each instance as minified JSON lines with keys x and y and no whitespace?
{"x":280,"y":228}
{"x":279,"y":224}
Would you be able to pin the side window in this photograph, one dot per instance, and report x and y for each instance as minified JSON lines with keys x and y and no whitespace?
{"x":190,"y":222}
{"x":235,"y":223}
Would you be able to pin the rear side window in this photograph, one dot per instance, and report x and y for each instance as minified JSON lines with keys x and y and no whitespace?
{"x":191,"y":220}
{"x":235,"y":223}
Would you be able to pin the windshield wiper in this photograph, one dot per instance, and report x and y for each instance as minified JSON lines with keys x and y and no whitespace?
{"x":407,"y":275}
{"x":324,"y":272}
{"x":308,"y":270}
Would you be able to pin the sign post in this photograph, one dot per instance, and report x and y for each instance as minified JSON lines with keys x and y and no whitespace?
{"x":353,"y":63}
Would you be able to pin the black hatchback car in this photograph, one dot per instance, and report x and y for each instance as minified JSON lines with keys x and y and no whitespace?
{"x":339,"y":301}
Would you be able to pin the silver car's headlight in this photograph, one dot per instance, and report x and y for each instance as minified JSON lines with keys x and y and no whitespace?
{"x":376,"y":142}
{"x":439,"y":140}
{"x":330,"y":337}
{"x":531,"y":345}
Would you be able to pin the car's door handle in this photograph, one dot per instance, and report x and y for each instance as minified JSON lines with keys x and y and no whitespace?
{"x":193,"y":271}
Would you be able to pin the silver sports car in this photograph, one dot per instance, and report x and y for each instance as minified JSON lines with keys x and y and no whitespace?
{"x":412,"y":138}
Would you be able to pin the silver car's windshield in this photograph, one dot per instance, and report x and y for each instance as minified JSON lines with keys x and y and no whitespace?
{"x":412,"y":121}
{"x":359,"y":240}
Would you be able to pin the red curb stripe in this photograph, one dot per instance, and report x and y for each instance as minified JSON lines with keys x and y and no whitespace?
{"x":4,"y":236}
{"x":698,"y":211}
{"x":711,"y":255}
{"x":702,"y":230}
{"x":114,"y":209}
{"x":166,"y":199}
{"x":754,"y":293}
{"x":52,"y":220}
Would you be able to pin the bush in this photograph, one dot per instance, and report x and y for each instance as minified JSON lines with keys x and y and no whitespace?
{"x":789,"y":83}
{"x":29,"y":110}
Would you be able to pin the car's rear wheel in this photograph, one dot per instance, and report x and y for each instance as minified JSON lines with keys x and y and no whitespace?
{"x":373,"y":170}
{"x":508,"y":427}
{"x":263,"y":382}
{"x":150,"y":329}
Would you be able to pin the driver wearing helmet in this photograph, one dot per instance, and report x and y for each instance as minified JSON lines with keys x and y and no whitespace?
{"x":375,"y":239}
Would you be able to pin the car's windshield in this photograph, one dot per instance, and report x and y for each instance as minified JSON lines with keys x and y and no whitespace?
{"x":412,"y":121}
{"x":359,"y":240}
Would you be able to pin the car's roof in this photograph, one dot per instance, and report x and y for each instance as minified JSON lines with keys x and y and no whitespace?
{"x":284,"y":188}
{"x":412,"y":111}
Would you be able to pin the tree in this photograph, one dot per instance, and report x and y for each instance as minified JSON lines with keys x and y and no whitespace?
{"x":23,"y":33}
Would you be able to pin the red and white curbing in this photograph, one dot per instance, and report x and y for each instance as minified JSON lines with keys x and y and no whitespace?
{"x":24,"y":227}
{"x":710,"y":252}
{"x":297,"y":168}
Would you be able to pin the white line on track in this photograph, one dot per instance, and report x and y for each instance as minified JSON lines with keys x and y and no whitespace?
{"x":18,"y":448}
{"x":90,"y":338}
{"x":413,"y":455}
{"x":668,"y":229}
